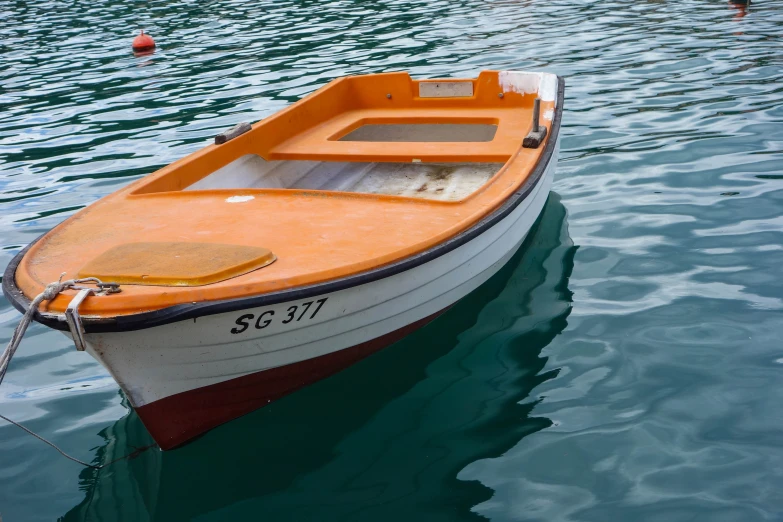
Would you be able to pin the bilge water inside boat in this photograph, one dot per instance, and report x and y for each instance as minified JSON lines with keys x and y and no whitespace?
{"x":291,"y":248}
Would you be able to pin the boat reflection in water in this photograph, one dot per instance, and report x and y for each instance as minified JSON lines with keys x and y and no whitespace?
{"x":382,"y":440}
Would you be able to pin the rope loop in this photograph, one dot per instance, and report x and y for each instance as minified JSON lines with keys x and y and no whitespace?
{"x":51,"y":291}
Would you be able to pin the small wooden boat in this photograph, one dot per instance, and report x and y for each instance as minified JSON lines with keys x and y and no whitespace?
{"x":294,"y":247}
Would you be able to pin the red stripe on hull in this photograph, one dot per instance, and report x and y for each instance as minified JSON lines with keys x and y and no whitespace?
{"x":176,"y":419}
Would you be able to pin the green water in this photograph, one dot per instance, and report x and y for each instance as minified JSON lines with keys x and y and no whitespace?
{"x":625,"y":365}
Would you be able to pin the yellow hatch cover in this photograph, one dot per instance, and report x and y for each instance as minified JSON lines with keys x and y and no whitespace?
{"x":175,"y":264}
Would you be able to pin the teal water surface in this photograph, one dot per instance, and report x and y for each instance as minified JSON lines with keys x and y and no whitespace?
{"x":625,"y":365}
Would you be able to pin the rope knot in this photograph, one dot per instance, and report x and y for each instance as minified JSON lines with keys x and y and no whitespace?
{"x":53,"y":289}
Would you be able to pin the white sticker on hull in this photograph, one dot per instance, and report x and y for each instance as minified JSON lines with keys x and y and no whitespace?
{"x":239,"y":199}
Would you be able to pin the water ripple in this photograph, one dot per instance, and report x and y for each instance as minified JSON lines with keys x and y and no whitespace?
{"x":657,"y":399}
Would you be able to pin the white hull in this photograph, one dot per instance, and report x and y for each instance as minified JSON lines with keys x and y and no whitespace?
{"x":164,"y":361}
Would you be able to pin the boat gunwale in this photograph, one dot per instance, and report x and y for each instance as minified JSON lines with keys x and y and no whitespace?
{"x":185,"y":311}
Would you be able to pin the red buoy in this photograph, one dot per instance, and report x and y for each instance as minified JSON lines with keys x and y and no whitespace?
{"x":143,"y":42}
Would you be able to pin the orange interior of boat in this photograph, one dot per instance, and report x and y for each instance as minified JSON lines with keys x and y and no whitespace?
{"x":366,"y":171}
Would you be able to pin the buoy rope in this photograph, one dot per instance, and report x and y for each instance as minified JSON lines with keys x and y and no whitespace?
{"x":130,"y":455}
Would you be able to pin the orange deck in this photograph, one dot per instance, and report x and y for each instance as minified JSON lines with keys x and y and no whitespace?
{"x":316,"y":235}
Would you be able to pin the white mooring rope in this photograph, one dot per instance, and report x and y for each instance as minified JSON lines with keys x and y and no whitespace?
{"x":51,"y":291}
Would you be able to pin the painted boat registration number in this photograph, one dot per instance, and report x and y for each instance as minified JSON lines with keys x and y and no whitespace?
{"x":295,"y":313}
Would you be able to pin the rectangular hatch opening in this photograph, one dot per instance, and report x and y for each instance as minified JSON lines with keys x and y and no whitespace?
{"x":423,"y":132}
